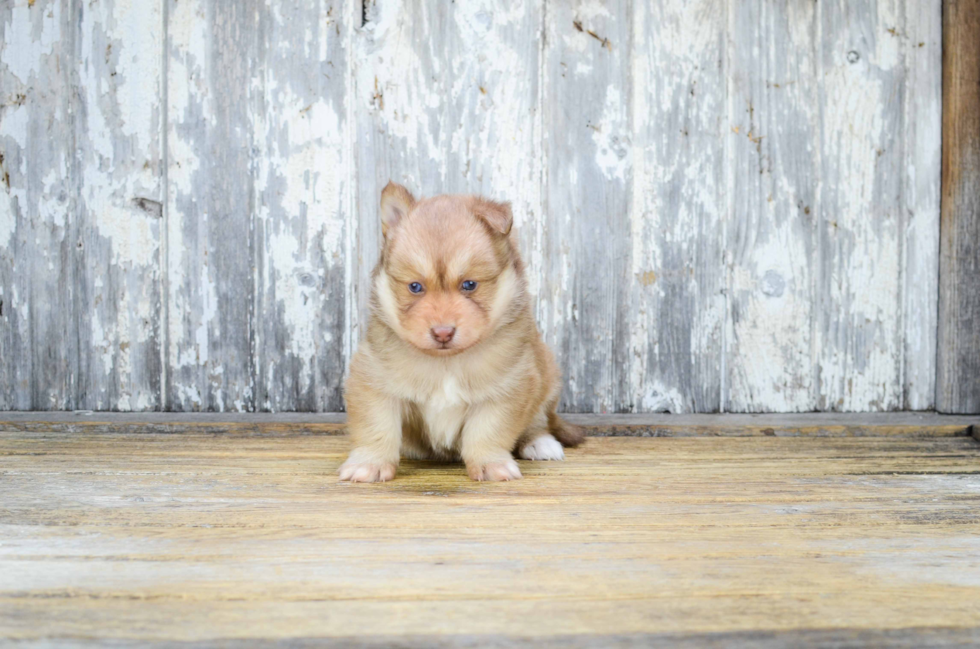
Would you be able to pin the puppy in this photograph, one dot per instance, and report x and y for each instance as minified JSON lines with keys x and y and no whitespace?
{"x":452,"y":365}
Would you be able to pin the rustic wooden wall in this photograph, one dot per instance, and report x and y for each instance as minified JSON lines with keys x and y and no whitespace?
{"x":724,"y":204}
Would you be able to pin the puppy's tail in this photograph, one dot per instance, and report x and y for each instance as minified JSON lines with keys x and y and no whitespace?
{"x":566,"y":433}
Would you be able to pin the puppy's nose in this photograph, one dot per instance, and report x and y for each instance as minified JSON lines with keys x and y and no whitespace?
{"x":443,"y":334}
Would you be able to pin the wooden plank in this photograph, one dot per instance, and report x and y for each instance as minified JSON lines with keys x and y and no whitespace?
{"x":830,"y":307}
{"x":587,"y":271}
{"x":676,"y":308}
{"x":922,"y":165}
{"x":861,"y":216}
{"x":774,"y":177}
{"x":113,"y":537}
{"x":894,"y":424}
{"x":958,"y":371}
{"x":209,"y":212}
{"x":905,"y":638}
{"x":211,"y":423}
{"x":119,"y":148}
{"x":455,"y":111}
{"x":302,"y":199}
{"x":38,"y":185}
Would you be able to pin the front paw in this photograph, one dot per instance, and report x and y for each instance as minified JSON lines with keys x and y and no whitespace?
{"x":354,"y":471}
{"x":494,"y":471}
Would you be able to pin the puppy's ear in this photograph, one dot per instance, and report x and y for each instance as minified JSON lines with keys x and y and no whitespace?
{"x":396,"y":201}
{"x":497,"y":215}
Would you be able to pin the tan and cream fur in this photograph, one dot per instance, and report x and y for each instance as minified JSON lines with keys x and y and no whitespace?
{"x":452,"y":365}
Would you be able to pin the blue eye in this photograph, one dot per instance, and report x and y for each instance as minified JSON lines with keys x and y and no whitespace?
{"x":469,"y":285}
{"x":415,"y":287}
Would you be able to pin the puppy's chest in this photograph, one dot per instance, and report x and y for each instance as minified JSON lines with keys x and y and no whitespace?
{"x":444,"y":410}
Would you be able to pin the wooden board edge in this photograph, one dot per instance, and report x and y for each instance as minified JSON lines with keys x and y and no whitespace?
{"x":862,"y":430}
{"x":107,"y":426}
{"x":299,"y":424}
{"x":958,"y":335}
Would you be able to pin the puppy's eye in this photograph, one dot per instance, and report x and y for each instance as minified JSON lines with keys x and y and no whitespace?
{"x":415,"y":287}
{"x":469,"y":285}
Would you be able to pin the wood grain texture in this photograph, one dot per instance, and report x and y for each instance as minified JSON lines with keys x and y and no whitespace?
{"x":832,"y":284}
{"x":904,"y":638}
{"x":38,"y":194}
{"x":588,"y":174}
{"x":958,"y":368}
{"x":774,"y":171}
{"x":119,"y":209}
{"x":861,"y":212}
{"x":201,"y":537}
{"x":821,"y":424}
{"x":678,"y":207}
{"x":211,"y":72}
{"x":722,"y":205}
{"x":922,"y":49}
{"x":301,"y":163}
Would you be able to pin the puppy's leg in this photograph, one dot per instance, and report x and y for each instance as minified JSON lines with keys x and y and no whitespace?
{"x":415,"y":445}
{"x":488,"y":439}
{"x":375,"y":424}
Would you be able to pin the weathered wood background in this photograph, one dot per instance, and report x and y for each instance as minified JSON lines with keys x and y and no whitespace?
{"x":958,"y":359}
{"x":724,"y":204}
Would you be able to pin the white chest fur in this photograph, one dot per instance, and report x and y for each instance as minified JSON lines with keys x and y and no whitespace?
{"x":445,"y":411}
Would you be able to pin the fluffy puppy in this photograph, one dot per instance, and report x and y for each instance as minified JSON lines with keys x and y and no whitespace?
{"x":452,"y":365}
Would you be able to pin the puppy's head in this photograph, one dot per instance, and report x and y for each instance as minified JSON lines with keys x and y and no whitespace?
{"x":449,"y":272}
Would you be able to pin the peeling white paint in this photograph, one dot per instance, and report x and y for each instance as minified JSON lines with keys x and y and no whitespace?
{"x":660,"y":398}
{"x":861,"y":371}
{"x":923,"y":106}
{"x":29,"y":37}
{"x":8,"y":222}
{"x":51,"y":203}
{"x":14,"y":124}
{"x":654,"y":162}
{"x":612,"y":139}
{"x":119,"y":154}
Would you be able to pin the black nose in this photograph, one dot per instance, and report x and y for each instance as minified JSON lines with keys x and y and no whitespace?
{"x":443,"y":334}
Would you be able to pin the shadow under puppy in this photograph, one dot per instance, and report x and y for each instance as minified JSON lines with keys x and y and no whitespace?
{"x":452,"y":366}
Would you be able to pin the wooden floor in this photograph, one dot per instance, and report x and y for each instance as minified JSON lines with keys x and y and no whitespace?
{"x":192,"y":536}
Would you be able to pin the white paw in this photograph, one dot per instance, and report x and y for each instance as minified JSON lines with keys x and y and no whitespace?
{"x":495,"y":471}
{"x":545,"y":447}
{"x":367,"y":471}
